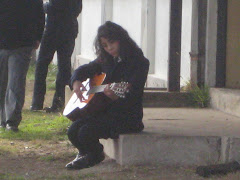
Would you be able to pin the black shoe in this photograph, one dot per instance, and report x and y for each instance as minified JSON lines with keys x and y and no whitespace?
{"x":86,"y":161}
{"x":11,"y":128}
{"x":53,"y":109}
{"x":79,"y":155}
{"x":76,"y":158}
{"x":35,"y":108}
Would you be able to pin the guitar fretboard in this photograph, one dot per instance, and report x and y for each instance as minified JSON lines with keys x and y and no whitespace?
{"x":96,"y":89}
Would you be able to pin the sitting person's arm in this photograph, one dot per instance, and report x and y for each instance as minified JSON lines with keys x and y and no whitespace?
{"x":136,"y":81}
{"x":82,"y":73}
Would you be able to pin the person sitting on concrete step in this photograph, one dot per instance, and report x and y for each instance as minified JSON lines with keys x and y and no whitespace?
{"x":119,"y":57}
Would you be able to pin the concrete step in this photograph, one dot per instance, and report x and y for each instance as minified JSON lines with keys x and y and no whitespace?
{"x":179,"y":136}
{"x":226,"y":100}
{"x":162,"y":98}
{"x":146,"y":148}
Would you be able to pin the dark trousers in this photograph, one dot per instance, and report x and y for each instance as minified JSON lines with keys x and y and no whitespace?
{"x":53,"y":41}
{"x":84,"y":134}
{"x":13,"y":70}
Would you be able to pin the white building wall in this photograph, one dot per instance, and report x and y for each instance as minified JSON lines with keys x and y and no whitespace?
{"x":131,"y":15}
{"x":128,"y":14}
{"x":186,"y":41}
{"x":91,"y":20}
{"x":162,"y":38}
{"x":160,"y":75}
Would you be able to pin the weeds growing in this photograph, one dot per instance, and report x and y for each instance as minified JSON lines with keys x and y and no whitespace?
{"x":199,"y":95}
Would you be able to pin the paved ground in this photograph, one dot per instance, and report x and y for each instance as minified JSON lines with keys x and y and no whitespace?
{"x":190,"y":122}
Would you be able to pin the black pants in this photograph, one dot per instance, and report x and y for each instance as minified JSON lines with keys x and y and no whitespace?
{"x":84,"y":134}
{"x":53,"y":41}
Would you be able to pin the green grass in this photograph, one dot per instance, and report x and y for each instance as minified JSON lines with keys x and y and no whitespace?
{"x":51,"y":85}
{"x":49,"y":158}
{"x":6,"y":150}
{"x":31,"y":71}
{"x":51,"y":76}
{"x":10,"y":177}
{"x":39,"y":125}
{"x":52,"y":72}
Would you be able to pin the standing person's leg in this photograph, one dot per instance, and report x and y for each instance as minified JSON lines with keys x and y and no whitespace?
{"x":18,"y":63}
{"x":46,"y":53}
{"x":3,"y":85}
{"x":64,"y":53}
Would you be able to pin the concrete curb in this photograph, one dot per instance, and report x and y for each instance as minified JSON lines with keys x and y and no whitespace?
{"x":132,"y":149}
{"x":226,"y":100}
{"x":167,"y":99}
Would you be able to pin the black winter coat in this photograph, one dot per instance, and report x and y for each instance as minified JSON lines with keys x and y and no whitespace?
{"x":63,"y":8}
{"x":62,"y":17}
{"x":135,"y":72}
{"x":21,"y":23}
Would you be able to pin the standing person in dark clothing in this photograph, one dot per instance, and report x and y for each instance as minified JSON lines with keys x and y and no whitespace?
{"x":119,"y":57}
{"x":59,"y":35}
{"x":21,"y":28}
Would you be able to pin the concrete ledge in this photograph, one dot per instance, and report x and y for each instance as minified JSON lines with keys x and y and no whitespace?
{"x":226,"y":100}
{"x":152,"y":149}
{"x":154,"y":80}
{"x":230,"y":149}
{"x":166,"y":99}
{"x":143,"y":148}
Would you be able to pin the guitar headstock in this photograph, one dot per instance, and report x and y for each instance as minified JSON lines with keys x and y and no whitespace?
{"x":120,"y":89}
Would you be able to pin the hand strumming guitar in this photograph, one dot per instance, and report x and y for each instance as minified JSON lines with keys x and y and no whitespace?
{"x":78,"y":88}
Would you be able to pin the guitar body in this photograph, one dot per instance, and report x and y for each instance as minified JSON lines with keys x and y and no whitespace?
{"x":76,"y":109}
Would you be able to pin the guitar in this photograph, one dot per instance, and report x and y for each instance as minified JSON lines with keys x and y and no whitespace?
{"x":94,"y":101}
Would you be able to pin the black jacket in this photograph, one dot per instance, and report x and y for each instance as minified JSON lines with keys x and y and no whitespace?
{"x":134,"y":72}
{"x":62,"y":17}
{"x":64,"y":9}
{"x":21,"y":23}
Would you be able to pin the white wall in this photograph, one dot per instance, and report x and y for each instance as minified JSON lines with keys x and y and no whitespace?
{"x":186,"y":41}
{"x":162,"y":38}
{"x":162,"y":42}
{"x":133,"y":15}
{"x":91,"y":20}
{"x":128,"y":14}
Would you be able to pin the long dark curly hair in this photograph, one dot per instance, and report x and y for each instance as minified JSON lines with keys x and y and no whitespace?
{"x":114,"y":32}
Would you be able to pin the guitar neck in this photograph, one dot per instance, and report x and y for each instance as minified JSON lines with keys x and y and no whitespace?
{"x":96,"y":89}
